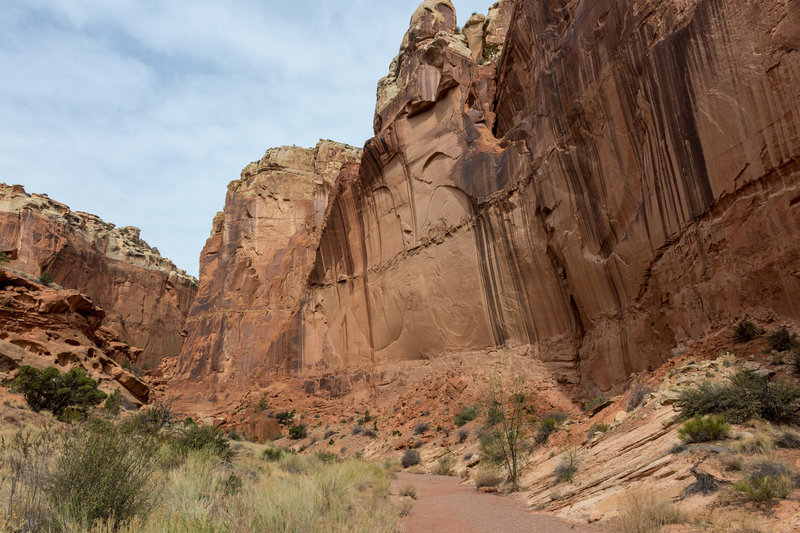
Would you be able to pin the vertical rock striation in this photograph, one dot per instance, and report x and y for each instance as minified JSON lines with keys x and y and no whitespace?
{"x":255,"y":264}
{"x":145,"y":297}
{"x":599,"y":179}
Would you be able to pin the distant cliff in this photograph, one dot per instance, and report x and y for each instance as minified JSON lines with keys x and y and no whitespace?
{"x":145,"y":297}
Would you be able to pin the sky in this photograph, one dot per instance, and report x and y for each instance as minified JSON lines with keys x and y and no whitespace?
{"x":142,"y":111}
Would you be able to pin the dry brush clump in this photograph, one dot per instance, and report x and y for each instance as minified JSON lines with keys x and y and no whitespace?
{"x":644,"y":512}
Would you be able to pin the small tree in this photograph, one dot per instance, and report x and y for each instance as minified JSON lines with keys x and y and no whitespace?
{"x":285,"y":418}
{"x":46,"y":279}
{"x":506,"y":427}
{"x":63,"y":394}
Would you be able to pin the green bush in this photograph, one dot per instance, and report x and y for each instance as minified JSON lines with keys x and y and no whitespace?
{"x":4,"y":257}
{"x":410,"y":458}
{"x":593,"y":402}
{"x":468,"y":414}
{"x":421,"y":427}
{"x":113,"y":402}
{"x":445,"y":465}
{"x":297,"y":432}
{"x":103,"y":473}
{"x":746,"y":396}
{"x":263,"y":403}
{"x":68,"y":396}
{"x":568,"y":467}
{"x":194,"y":437}
{"x":285,"y":418}
{"x":745,"y":331}
{"x":46,"y":279}
{"x":704,"y":428}
{"x":547,"y":425}
{"x":327,"y":457}
{"x":153,"y":419}
{"x":767,"y":480}
{"x":782,"y":339}
{"x":597,"y":428}
{"x":272,"y":454}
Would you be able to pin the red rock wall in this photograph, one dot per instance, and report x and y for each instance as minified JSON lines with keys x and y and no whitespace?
{"x":254,"y":267}
{"x":145,"y":297}
{"x":616,"y":179}
{"x":639,"y":187}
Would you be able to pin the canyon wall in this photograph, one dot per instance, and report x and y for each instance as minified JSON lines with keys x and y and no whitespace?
{"x":145,"y":297}
{"x":602,"y":180}
{"x":254,"y":266}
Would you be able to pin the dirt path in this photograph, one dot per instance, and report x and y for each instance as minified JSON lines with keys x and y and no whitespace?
{"x":445,"y":506}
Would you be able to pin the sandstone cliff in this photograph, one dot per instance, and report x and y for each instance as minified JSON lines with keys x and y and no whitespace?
{"x":599,"y":179}
{"x":255,"y":264}
{"x":145,"y":297}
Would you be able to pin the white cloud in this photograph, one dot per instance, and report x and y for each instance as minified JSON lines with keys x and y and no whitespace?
{"x":143,"y":111}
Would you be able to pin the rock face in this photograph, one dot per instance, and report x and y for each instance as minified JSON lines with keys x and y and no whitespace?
{"x":599,"y":179}
{"x":255,"y":265}
{"x":145,"y":297}
{"x":43,"y":326}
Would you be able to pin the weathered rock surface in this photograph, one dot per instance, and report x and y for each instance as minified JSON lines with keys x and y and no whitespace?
{"x":254,"y":267}
{"x":145,"y":296}
{"x":42,"y":326}
{"x":609,"y":180}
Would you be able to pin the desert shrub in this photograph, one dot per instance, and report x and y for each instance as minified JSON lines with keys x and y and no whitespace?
{"x":593,"y":402}
{"x":486,"y":477}
{"x":272,"y":454}
{"x":444,"y":466}
{"x":468,"y":414}
{"x":568,"y":466}
{"x":746,"y":396}
{"x":328,"y":434}
{"x":46,"y":279}
{"x":357,"y":430}
{"x":408,"y":489}
{"x":204,"y":437}
{"x":421,"y":427}
{"x":4,"y":257}
{"x":767,"y":480}
{"x":297,"y":432}
{"x":796,"y":361}
{"x":781,"y":339}
{"x":758,"y":443}
{"x":788,"y":438}
{"x":745,"y":331}
{"x":263,"y":403}
{"x":547,"y":425}
{"x":25,"y":458}
{"x":704,"y":428}
{"x":638,"y":394}
{"x":326,"y":457}
{"x":366,"y":418}
{"x":733,"y":463}
{"x":598,"y":428}
{"x":65,"y":395}
{"x":369,"y":432}
{"x":645,"y":512}
{"x":153,"y":419}
{"x":462,"y":435}
{"x":104,"y":473}
{"x":113,"y":402}
{"x":410,"y":458}
{"x":285,"y":418}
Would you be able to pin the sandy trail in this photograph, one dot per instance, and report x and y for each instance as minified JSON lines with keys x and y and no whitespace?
{"x":445,"y":506}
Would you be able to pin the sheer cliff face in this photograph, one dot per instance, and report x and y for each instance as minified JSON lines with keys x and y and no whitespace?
{"x":629,"y":183}
{"x":255,"y":264}
{"x":144,"y":296}
{"x":599,"y":179}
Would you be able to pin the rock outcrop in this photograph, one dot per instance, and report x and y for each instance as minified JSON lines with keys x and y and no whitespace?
{"x":598,"y":179}
{"x":145,"y":297}
{"x":43,"y":326}
{"x":255,"y":265}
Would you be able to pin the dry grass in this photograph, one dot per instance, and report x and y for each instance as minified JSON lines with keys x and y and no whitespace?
{"x":486,"y":477}
{"x":409,"y":489}
{"x":760,"y":442}
{"x":642,"y":512}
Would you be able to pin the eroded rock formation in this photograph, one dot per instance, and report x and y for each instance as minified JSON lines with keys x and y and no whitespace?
{"x":42,"y":326}
{"x":599,"y":179}
{"x":255,"y":265}
{"x":145,"y":297}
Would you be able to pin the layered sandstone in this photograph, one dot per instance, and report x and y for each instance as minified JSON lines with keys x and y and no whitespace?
{"x":44,"y":326}
{"x":145,"y":296}
{"x":254,"y":266}
{"x":599,"y":179}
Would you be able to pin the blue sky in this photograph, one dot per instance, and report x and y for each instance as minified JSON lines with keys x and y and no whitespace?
{"x":142,"y":111}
